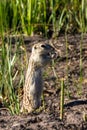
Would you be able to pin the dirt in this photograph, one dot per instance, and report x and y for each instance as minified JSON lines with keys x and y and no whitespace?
{"x":67,"y":67}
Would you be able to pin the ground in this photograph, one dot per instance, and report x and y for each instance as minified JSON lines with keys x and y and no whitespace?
{"x":71,"y":50}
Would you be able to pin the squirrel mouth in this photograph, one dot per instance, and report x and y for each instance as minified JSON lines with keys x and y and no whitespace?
{"x":52,"y":55}
{"x":49,"y":55}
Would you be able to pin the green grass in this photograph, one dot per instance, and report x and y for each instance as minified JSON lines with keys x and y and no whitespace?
{"x":67,"y":62}
{"x":62,"y":100}
{"x":9,"y":59}
{"x":80,"y":66}
{"x":7,"y":89}
{"x":31,"y":16}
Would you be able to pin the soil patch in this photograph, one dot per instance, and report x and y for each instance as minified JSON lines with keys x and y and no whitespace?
{"x":67,"y":66}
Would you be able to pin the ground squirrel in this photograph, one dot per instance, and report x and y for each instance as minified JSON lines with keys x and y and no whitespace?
{"x":41,"y":55}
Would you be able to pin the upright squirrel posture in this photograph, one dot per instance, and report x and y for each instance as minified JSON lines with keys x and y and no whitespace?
{"x":41,"y":55}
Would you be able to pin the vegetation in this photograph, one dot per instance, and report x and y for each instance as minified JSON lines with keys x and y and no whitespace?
{"x":47,"y":17}
{"x":62,"y":100}
{"x":43,"y":16}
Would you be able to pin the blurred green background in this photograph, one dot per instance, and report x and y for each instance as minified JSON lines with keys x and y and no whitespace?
{"x":47,"y":17}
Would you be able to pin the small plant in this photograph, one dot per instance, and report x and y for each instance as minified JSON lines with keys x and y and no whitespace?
{"x":62,"y":100}
{"x":67,"y":68}
{"x":80,"y":65}
{"x":85,"y":117}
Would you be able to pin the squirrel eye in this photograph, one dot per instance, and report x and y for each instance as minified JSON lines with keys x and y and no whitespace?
{"x":46,"y":46}
{"x":43,"y":46}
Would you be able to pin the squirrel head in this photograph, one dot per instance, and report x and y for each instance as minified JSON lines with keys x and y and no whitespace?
{"x":42,"y":54}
